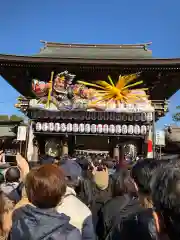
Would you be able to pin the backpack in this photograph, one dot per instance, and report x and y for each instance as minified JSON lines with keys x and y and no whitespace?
{"x":125,"y":213}
{"x":102,"y":195}
{"x":97,"y":198}
{"x":91,"y":192}
{"x":16,"y":194}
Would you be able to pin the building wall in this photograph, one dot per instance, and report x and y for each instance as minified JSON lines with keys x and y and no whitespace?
{"x":93,"y":142}
{"x":173,"y":140}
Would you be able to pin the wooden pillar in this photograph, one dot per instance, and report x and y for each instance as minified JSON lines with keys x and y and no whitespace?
{"x":71,"y":145}
{"x":35,"y":154}
{"x":122,"y":162}
{"x":65,"y":147}
{"x":116,"y":152}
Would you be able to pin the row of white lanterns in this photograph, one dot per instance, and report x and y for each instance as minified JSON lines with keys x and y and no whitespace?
{"x":91,"y":128}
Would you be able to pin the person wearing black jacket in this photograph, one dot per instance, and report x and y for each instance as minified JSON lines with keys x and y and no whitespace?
{"x":96,"y":190}
{"x":122,"y":198}
{"x":132,"y":219}
{"x":133,"y":222}
{"x":165,"y":187}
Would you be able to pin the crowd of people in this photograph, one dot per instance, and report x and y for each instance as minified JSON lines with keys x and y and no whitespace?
{"x":78,"y":198}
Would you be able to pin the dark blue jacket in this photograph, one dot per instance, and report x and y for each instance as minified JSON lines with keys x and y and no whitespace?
{"x":30,"y":223}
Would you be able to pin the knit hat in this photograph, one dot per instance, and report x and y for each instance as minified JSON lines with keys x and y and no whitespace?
{"x":46,"y":159}
{"x":71,"y":169}
{"x":101,"y":178}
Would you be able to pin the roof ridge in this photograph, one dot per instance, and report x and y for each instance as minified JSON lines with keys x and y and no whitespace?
{"x":109,"y":46}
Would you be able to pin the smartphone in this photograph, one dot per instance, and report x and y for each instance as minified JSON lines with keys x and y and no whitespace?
{"x":10,"y":156}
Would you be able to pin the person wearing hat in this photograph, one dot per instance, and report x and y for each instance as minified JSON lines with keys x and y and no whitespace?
{"x":80,"y":215}
{"x":97,"y":189}
{"x":46,"y":160}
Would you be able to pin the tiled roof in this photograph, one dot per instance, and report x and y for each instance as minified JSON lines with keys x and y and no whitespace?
{"x":5,"y":131}
{"x":95,"y":51}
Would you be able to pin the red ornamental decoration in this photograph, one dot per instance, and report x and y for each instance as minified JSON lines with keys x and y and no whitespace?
{"x":150,"y":146}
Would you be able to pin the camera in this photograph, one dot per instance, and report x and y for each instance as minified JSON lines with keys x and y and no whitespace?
{"x":10,"y":156}
{"x":101,"y":168}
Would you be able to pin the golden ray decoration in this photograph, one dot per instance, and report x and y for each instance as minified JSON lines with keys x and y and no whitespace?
{"x":50,"y":90}
{"x":120,"y":91}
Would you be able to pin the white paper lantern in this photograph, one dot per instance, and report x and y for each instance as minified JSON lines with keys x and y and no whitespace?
{"x":105,"y":128}
{"x":93,"y":128}
{"x":45,"y":127}
{"x":137,"y":129}
{"x":149,"y":116}
{"x":143,"y":130}
{"x":87,"y":128}
{"x":111,"y":129}
{"x":99,"y":128}
{"x":143,"y":117}
{"x":124,"y":129}
{"x":130,"y":129}
{"x":75,"y":127}
{"x":51,"y":126}
{"x":63,"y":127}
{"x":81,"y":127}
{"x":69,"y":127}
{"x":57,"y":127}
{"x":118,"y":129}
{"x":38,"y":127}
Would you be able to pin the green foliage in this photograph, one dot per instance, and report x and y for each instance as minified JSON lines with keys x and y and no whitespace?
{"x":176,"y":116}
{"x":4,"y":118}
{"x":15,"y":118}
{"x":11,"y":118}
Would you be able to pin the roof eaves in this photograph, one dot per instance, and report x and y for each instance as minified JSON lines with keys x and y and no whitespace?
{"x":8,"y":59}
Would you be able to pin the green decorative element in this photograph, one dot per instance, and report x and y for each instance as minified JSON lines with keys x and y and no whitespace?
{"x":145,"y":47}
{"x":176,"y":116}
{"x":166,"y":104}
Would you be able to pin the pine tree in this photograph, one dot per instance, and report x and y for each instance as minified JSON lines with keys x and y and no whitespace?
{"x":15,"y":118}
{"x":176,"y":116}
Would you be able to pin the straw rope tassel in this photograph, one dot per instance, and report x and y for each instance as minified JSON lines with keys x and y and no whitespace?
{"x":50,"y":91}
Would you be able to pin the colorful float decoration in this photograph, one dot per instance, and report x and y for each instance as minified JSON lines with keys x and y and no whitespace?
{"x":60,"y":94}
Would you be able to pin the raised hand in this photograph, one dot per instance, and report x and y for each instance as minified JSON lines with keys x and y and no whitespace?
{"x":23,"y":165}
{"x":1,"y":156}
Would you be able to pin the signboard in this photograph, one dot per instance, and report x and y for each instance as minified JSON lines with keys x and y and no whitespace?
{"x":93,"y":116}
{"x":21,"y":134}
{"x":160,"y":138}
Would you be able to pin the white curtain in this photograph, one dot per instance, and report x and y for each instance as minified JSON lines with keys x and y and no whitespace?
{"x":30,"y":150}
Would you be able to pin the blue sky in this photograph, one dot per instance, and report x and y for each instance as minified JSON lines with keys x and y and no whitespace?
{"x":24,"y":23}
